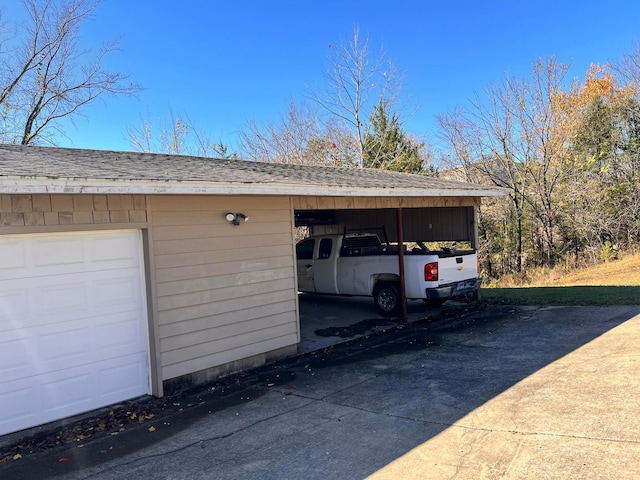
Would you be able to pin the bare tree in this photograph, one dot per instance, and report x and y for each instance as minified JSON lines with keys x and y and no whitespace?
{"x":282,"y":142}
{"x":481,"y":140}
{"x":628,"y":68}
{"x":514,"y":136}
{"x":544,"y":145}
{"x":45,"y":77}
{"x":176,"y":136}
{"x":332,"y":131}
{"x":357,"y":80}
{"x":300,"y":137}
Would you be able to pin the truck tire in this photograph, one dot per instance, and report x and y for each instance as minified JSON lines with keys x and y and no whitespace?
{"x":386,"y":297}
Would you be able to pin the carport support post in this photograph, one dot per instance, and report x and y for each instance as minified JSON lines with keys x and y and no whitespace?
{"x":403,"y":294}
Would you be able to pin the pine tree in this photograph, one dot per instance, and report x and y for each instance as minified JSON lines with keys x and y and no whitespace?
{"x":388,"y":147}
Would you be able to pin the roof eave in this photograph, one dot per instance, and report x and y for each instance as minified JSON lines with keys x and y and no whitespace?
{"x":20,"y":185}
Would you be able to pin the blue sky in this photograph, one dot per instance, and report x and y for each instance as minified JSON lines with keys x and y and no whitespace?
{"x":225,"y":62}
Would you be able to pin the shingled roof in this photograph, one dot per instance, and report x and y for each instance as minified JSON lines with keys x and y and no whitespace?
{"x":31,"y":169}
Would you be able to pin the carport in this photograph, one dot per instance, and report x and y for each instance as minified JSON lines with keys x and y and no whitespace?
{"x":327,"y":320}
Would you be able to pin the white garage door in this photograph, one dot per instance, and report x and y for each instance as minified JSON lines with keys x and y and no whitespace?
{"x":73,"y":333}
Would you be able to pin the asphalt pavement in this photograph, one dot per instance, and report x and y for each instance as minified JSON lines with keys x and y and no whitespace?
{"x":497,"y":392}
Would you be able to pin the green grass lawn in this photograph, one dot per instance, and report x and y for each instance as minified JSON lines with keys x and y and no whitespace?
{"x":567,"y":295}
{"x":612,"y":283}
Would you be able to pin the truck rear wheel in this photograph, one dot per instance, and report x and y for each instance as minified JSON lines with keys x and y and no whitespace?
{"x":386,"y":297}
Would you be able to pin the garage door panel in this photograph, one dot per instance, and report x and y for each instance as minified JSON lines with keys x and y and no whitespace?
{"x":14,"y":306}
{"x":31,"y":302}
{"x":20,"y":403}
{"x":121,"y":378}
{"x":18,"y":407}
{"x":26,"y":402}
{"x":41,"y":256}
{"x":121,"y":338}
{"x":61,"y":349}
{"x":113,"y":249}
{"x":56,"y":251}
{"x":117,"y":290}
{"x":73,"y":336}
{"x":60,"y":300}
{"x":14,"y":361}
{"x":42,"y":354}
{"x":33,"y":351}
{"x":12,"y":255}
{"x":67,"y":392}
{"x":65,"y":297}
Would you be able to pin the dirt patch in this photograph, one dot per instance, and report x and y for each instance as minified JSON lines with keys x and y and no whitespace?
{"x":111,"y":421}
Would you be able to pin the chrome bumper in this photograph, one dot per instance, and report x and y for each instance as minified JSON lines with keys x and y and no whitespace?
{"x":454,"y":289}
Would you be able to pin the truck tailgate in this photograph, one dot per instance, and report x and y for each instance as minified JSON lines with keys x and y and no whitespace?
{"x":456,"y":267}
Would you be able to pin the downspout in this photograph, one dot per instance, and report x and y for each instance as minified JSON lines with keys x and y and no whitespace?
{"x":403,"y":294}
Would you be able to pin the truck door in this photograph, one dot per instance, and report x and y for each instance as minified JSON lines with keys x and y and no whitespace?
{"x":324,"y":267}
{"x":304,"y":265}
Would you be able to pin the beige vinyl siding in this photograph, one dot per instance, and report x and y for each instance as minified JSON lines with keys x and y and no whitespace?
{"x":223,"y":292}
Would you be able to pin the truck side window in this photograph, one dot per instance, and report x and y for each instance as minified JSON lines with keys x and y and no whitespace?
{"x":304,"y":250}
{"x":325,"y":248}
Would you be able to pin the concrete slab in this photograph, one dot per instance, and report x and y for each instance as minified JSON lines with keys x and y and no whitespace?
{"x":574,"y":418}
{"x":320,"y":314}
{"x":502,"y":392}
{"x":463,"y":453}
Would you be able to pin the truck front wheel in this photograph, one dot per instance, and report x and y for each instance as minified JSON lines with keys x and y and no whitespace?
{"x":386,"y":297}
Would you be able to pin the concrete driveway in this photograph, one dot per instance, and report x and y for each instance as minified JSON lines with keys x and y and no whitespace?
{"x":503,"y":392}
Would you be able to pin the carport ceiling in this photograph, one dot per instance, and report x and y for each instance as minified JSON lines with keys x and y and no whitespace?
{"x":431,"y":224}
{"x":308,"y":218}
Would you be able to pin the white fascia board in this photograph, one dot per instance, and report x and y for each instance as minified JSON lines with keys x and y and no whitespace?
{"x":146,"y":187}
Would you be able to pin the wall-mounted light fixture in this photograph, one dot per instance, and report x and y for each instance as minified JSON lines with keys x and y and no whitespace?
{"x":236,"y":217}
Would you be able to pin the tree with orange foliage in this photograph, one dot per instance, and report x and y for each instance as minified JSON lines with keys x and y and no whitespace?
{"x":569,"y":157}
{"x":602,"y":200}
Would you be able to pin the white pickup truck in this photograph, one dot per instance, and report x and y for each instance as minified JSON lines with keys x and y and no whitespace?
{"x":360,"y":264}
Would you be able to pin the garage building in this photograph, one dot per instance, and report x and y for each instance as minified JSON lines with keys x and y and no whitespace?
{"x":124,"y":274}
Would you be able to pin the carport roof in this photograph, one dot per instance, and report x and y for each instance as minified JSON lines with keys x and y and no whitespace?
{"x":32,"y":169}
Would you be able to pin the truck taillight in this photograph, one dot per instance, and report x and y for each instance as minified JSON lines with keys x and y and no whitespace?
{"x":431,"y":272}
